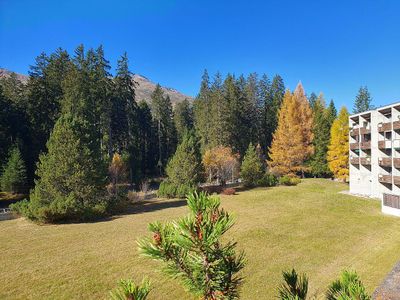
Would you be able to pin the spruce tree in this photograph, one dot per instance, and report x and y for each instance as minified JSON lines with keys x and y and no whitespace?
{"x":363,"y":101}
{"x":71,"y":178}
{"x":202,"y":112}
{"x":338,"y":154}
{"x":312,"y":100}
{"x":321,"y":131}
{"x":183,"y":117}
{"x":251,"y":170}
{"x":192,"y":251}
{"x":184,"y":168}
{"x":13,"y":178}
{"x":166,"y":132}
{"x":272,"y":105}
{"x":147,"y":136}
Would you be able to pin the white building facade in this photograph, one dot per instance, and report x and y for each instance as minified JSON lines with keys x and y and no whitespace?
{"x":374,"y":154}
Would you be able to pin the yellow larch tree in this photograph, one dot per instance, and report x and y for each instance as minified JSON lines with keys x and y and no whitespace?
{"x":286,"y":152}
{"x":338,"y":151}
{"x":306,"y":121}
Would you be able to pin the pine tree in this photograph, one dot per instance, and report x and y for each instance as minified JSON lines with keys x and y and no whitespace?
{"x":251,"y":170}
{"x":183,"y":117}
{"x":321,"y":131}
{"x":338,"y":154}
{"x":192,"y":251}
{"x":363,"y":101}
{"x":287,"y":153}
{"x":331,"y":112}
{"x":13,"y":178}
{"x":71,"y":178}
{"x":184,"y":168}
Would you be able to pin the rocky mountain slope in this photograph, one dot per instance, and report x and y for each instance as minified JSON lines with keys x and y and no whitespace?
{"x":144,"y":87}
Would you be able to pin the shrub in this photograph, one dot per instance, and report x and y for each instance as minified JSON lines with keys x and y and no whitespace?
{"x":268,"y":180}
{"x":192,"y":251}
{"x":251,"y":170}
{"x":128,"y":290}
{"x":295,"y":286}
{"x":229,"y":191}
{"x":13,"y":178}
{"x":287,"y":180}
{"x":168,"y":189}
{"x":348,"y":286}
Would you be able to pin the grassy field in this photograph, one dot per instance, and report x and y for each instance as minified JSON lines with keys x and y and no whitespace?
{"x":310,"y":227}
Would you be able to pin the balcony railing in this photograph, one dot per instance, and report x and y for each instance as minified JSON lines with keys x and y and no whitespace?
{"x":365,"y":130}
{"x":384,"y":144}
{"x":382,"y":127}
{"x":396,"y":180}
{"x":396,"y":144}
{"x":355,"y":160}
{"x":354,"y":146}
{"x":385,"y":178}
{"x":365,"y":145}
{"x":396,"y":163}
{"x":385,"y":161}
{"x":355,"y":131}
{"x":365,"y":160}
{"x":391,"y":200}
{"x":396,"y":125}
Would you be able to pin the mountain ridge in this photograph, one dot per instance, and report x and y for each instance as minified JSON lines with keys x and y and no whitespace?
{"x":143,"y":90}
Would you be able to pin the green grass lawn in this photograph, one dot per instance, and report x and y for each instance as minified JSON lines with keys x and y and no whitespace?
{"x":310,"y":227}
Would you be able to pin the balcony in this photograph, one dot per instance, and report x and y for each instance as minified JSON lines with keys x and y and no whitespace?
{"x":391,"y":200}
{"x":354,"y":146}
{"x":382,"y":127}
{"x":355,"y":160}
{"x":396,"y":163}
{"x":355,"y":131}
{"x":365,"y":130}
{"x":384,"y":144}
{"x":365,"y":160}
{"x":396,"y":125}
{"x":385,"y":178}
{"x":385,"y":161}
{"x":396,"y":180}
{"x":365,"y":145}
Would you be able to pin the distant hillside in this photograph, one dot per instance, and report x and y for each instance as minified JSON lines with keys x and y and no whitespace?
{"x":143,"y":90}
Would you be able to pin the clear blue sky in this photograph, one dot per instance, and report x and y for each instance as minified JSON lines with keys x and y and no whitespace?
{"x":331,"y":46}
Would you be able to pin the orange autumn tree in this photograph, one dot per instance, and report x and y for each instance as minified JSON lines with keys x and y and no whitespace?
{"x":292,"y":140}
{"x":221,"y":163}
{"x":338,"y":153}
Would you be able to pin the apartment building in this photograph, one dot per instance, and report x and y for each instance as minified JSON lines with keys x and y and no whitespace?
{"x":374,"y":154}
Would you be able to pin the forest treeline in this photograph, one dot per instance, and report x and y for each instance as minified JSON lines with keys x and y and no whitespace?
{"x":60,"y":130}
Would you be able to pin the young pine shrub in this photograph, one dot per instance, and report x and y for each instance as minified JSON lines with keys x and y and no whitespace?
{"x":128,"y":290}
{"x":348,"y":286}
{"x":295,"y":287}
{"x":13,"y":178}
{"x":191,"y":250}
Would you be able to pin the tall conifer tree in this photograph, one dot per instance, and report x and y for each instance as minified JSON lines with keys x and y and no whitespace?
{"x":363,"y":100}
